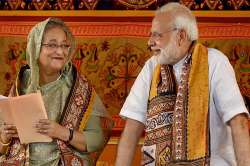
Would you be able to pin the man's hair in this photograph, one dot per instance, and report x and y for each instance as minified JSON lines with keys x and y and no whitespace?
{"x":182,"y":18}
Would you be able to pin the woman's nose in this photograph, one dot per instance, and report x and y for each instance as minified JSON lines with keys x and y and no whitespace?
{"x":59,"y":50}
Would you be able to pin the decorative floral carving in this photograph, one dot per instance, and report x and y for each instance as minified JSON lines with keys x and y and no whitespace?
{"x":237,"y":4}
{"x":14,"y":4}
{"x":120,"y":4}
{"x":121,"y":67}
{"x":39,"y":4}
{"x":89,"y":4}
{"x":241,"y":62}
{"x":65,"y":4}
{"x":136,"y":4}
{"x":189,"y":3}
{"x":214,"y":4}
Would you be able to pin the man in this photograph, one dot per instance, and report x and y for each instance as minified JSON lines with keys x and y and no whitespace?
{"x":187,"y":99}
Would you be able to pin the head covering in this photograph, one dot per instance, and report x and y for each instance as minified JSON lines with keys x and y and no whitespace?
{"x":34,"y":43}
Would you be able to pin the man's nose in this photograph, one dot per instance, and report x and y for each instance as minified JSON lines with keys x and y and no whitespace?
{"x":151,"y":42}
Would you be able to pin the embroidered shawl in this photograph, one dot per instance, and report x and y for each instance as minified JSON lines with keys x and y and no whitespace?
{"x":177,"y":129}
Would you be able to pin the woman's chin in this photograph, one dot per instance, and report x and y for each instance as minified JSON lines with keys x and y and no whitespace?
{"x":56,"y":68}
{"x":58,"y":64}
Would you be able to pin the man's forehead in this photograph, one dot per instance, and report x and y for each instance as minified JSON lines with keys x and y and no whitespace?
{"x":161,"y":21}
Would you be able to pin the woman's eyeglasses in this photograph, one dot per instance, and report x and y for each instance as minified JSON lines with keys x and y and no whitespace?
{"x":54,"y":46}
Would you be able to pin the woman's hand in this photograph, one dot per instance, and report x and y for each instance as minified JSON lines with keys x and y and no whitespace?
{"x":55,"y":130}
{"x":52,"y":129}
{"x":8,"y":131}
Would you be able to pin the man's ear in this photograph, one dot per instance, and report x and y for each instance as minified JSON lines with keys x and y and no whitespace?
{"x":181,"y":37}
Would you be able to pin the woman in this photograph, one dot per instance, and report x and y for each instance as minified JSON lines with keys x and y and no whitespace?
{"x":77,"y":120}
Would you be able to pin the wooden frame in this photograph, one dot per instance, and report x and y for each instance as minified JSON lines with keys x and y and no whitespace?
{"x":119,"y":15}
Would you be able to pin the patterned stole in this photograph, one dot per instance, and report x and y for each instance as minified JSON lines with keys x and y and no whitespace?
{"x":172,"y":137}
{"x":75,"y":116}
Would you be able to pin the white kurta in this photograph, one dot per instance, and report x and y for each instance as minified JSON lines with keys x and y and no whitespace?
{"x":225,"y":102}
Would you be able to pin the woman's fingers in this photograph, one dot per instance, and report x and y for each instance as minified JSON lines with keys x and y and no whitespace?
{"x":10,"y":132}
{"x":42,"y":131}
{"x":44,"y":121}
{"x":47,"y":127}
{"x":43,"y":126}
{"x":9,"y":129}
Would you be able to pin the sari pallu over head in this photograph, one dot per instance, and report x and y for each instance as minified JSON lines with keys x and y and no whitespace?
{"x":79,"y":102}
{"x":177,"y":126}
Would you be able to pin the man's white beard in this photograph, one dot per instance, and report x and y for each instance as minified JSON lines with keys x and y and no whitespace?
{"x":166,"y":54}
{"x":161,"y":59}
